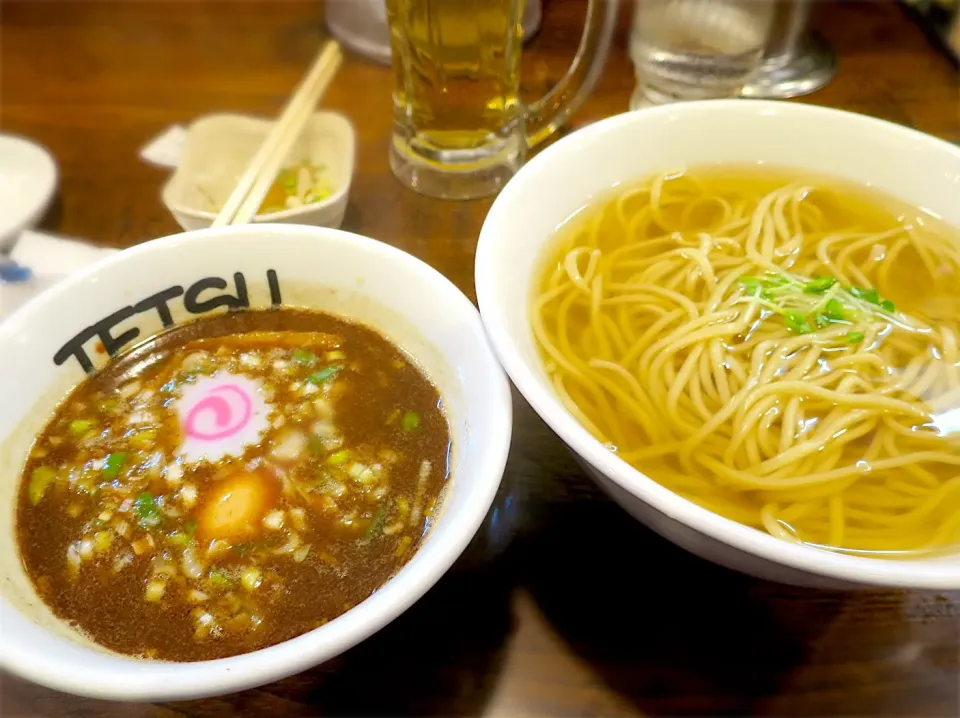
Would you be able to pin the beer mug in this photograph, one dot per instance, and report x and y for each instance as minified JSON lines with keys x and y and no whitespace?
{"x":460,"y":128}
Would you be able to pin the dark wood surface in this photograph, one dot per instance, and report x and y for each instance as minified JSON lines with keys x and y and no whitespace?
{"x":563,"y":605}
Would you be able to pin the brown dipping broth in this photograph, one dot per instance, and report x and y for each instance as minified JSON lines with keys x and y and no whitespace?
{"x":154,"y":556}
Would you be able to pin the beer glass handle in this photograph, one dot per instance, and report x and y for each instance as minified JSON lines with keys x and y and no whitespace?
{"x":547,"y":114}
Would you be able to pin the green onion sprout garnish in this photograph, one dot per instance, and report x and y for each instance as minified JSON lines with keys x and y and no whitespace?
{"x":79,"y":427}
{"x":112,"y":465}
{"x":143,"y":439}
{"x":303,"y":356}
{"x":339,"y":458}
{"x":321,"y":376}
{"x":40,"y":480}
{"x":410,"y":421}
{"x":148,"y":510}
{"x":810,"y":304}
{"x":818,"y":285}
{"x":220,"y":579}
{"x":180,"y":539}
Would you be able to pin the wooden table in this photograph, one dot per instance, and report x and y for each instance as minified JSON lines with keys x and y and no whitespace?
{"x":564,"y":605}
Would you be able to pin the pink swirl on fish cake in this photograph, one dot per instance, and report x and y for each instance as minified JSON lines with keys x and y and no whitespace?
{"x":223,"y":412}
{"x":221,"y":415}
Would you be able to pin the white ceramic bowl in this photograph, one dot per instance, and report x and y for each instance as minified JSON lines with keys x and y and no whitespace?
{"x":218,"y":148}
{"x":410,"y":303}
{"x":919,"y":169}
{"x":28,"y":180}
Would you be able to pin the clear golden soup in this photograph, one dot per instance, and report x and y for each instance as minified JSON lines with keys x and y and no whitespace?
{"x":779,"y":348}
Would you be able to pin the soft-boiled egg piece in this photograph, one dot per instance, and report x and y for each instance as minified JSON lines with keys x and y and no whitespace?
{"x":233,"y":509}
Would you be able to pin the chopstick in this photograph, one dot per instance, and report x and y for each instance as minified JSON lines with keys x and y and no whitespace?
{"x":245,"y":200}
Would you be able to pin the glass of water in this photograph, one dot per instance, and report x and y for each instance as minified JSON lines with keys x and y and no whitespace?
{"x":696,"y":49}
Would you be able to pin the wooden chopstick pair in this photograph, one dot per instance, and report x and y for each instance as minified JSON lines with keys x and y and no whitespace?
{"x":245,"y":200}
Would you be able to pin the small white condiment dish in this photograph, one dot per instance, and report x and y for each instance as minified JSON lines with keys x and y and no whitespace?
{"x":355,"y":277}
{"x":28,"y":180}
{"x":217,"y":149}
{"x":916,"y":168}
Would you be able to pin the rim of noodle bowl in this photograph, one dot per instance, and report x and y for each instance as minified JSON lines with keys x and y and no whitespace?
{"x":920,"y":574}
